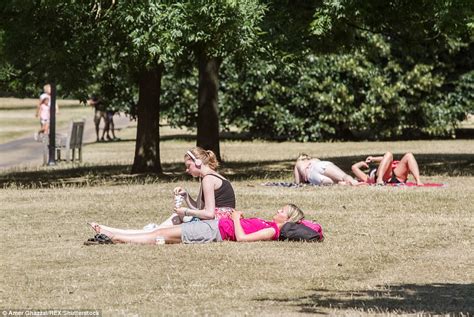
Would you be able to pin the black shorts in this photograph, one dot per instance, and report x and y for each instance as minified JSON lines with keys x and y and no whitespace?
{"x":394,"y":180}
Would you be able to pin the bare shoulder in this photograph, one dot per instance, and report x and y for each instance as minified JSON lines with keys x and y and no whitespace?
{"x":214,"y":181}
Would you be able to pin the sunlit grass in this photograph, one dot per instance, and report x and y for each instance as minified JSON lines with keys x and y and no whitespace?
{"x":387,"y":250}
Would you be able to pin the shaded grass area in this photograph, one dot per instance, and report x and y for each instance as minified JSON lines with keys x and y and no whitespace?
{"x":432,"y":298}
{"x":95,"y":175}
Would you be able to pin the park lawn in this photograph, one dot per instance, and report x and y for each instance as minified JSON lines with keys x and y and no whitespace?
{"x":387,"y":250}
{"x":17,"y":116}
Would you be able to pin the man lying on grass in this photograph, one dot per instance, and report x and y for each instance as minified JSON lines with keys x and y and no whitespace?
{"x":236,"y":229}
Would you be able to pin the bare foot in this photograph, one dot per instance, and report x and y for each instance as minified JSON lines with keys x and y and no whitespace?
{"x":106,"y":232}
{"x":95,"y":226}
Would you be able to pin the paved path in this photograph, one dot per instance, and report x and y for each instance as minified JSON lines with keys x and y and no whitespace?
{"x":26,"y":151}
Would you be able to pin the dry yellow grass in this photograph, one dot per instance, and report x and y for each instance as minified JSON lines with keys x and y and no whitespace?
{"x":387,"y":250}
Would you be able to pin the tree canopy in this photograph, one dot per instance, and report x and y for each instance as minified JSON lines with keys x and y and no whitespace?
{"x":300,"y":70}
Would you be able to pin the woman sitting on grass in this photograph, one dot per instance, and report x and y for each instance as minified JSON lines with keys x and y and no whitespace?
{"x":216,"y":198}
{"x":317,"y":172}
{"x":235,"y":229}
{"x":388,"y":171}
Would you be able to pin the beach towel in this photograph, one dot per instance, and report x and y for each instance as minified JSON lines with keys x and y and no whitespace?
{"x":407,"y":184}
{"x":286,"y":184}
{"x":411,"y":184}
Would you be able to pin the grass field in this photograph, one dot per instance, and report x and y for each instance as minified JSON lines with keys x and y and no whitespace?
{"x":387,"y":250}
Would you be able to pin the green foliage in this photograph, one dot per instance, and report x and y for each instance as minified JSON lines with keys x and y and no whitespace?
{"x":366,"y":94}
{"x":419,"y":30}
{"x":221,"y":28}
{"x":46,"y":41}
{"x":409,"y":74}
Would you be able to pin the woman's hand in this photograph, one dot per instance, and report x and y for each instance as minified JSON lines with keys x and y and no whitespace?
{"x":369,"y":159}
{"x":180,"y":191}
{"x":181,"y":211}
{"x":237,"y":215}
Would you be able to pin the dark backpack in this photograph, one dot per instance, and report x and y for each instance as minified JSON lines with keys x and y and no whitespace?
{"x":304,"y":231}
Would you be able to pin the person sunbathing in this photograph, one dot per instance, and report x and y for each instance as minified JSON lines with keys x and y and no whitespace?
{"x":235,"y":229}
{"x":388,"y":170}
{"x":317,"y":172}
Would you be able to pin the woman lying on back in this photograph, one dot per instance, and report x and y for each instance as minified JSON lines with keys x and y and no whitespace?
{"x":387,"y":170}
{"x":235,"y":229}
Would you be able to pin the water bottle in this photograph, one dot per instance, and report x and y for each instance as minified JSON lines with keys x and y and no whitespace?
{"x":178,"y":200}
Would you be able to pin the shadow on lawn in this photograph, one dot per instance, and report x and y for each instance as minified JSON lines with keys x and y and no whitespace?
{"x":430,"y":165}
{"x":435,"y":299}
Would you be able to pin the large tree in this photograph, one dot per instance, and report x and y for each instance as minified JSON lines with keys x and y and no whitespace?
{"x":216,"y":30}
{"x":75,"y":44}
{"x":142,"y":37}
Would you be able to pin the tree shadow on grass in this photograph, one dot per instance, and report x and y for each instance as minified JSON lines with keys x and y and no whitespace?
{"x":430,"y":165}
{"x":438,"y":298}
{"x":223,"y":136}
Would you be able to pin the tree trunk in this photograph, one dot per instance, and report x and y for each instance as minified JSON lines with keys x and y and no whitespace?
{"x":147,"y":146}
{"x":208,"y":107}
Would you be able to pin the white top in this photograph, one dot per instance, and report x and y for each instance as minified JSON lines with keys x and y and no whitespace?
{"x":45,"y":96}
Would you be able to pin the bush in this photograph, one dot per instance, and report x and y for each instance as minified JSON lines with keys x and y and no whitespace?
{"x":365,"y":94}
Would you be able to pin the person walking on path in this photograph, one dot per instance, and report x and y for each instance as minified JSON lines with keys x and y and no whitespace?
{"x":43,"y":112}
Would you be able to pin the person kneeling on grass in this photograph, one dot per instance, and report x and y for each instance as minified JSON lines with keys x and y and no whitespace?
{"x":235,"y":229}
{"x":388,"y":171}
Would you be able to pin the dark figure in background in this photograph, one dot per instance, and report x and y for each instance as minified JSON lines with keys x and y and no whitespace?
{"x":100,"y":113}
{"x":110,"y":126}
{"x":106,"y":115}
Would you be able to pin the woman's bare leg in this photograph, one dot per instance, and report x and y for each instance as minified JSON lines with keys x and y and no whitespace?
{"x":116,"y":230}
{"x":173,"y":220}
{"x":384,"y":171}
{"x":337,"y":175}
{"x":407,"y":165}
{"x":171,"y":235}
{"x":325,"y":180}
